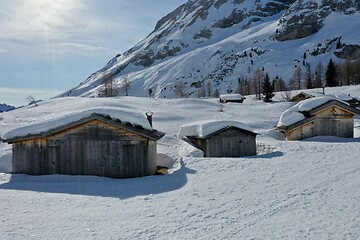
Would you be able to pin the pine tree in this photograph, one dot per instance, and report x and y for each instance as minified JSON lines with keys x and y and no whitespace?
{"x":330,"y":75}
{"x":268,"y":89}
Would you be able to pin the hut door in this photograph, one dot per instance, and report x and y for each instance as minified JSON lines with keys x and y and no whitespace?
{"x":128,"y":152}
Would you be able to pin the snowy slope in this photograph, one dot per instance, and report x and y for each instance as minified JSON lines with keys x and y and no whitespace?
{"x":216,"y":42}
{"x":290,"y":190}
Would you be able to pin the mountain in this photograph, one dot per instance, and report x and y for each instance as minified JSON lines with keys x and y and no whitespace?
{"x":214,"y":42}
{"x":4,"y":107}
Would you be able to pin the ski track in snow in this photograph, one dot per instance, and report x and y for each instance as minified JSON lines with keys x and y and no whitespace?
{"x":290,"y":190}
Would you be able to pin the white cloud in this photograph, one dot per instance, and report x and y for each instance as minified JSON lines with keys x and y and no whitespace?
{"x":72,"y":48}
{"x":36,"y":20}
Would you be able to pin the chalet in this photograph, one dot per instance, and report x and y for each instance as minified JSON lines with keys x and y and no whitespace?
{"x":300,"y":97}
{"x":237,"y":98}
{"x":317,"y":117}
{"x":96,"y":144}
{"x":220,"y":138}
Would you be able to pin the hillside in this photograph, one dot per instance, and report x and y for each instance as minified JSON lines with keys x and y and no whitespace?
{"x":290,"y":190}
{"x":215,"y":42}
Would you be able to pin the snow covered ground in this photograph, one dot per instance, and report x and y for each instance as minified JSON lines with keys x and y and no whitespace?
{"x":290,"y":190}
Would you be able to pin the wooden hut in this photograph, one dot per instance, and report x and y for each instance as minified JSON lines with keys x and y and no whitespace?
{"x":224,"y":140}
{"x":318,"y":117}
{"x":94,"y":145}
{"x":300,"y":97}
{"x":237,"y":98}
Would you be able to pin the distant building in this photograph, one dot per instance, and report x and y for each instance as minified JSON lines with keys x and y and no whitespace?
{"x":94,"y":145}
{"x":237,"y":98}
{"x":300,"y":97}
{"x":223,"y":139}
{"x":323,"y":116}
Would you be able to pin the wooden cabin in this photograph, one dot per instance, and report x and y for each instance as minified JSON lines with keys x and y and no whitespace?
{"x":330,"y":118}
{"x":230,"y":141}
{"x":300,"y":97}
{"x":237,"y":98}
{"x":95,"y":145}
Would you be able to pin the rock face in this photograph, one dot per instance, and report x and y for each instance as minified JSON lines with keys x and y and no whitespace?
{"x":306,"y":17}
{"x":214,"y":42}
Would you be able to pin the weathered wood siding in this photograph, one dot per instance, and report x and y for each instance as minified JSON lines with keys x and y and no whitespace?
{"x":230,"y":143}
{"x":302,"y":132}
{"x":332,"y":121}
{"x":94,"y":148}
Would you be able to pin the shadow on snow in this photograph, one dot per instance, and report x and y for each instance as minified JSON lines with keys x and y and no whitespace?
{"x":331,"y":139}
{"x":100,"y":186}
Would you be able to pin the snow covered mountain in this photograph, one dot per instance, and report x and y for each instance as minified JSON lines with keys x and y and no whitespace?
{"x":215,"y":42}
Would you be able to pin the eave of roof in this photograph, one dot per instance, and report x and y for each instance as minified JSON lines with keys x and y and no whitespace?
{"x":334,"y":102}
{"x":152,"y":134}
{"x":223,"y":130}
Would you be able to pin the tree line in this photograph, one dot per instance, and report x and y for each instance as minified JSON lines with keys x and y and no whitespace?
{"x":260,"y":84}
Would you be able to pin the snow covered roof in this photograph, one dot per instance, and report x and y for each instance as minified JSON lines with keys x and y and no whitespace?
{"x":295,"y":114}
{"x":344,"y":97}
{"x":234,"y":96}
{"x":129,"y":118}
{"x":205,"y":128}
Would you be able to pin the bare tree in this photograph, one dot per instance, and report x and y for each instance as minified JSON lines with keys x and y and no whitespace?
{"x":32,"y":100}
{"x":181,"y":89}
{"x":308,"y":77}
{"x":125,"y":85}
{"x":216,"y":93}
{"x":286,"y":95}
{"x":201,"y":91}
{"x":108,"y":89}
{"x":297,"y":76}
{"x":257,"y":81}
{"x":318,"y":82}
{"x":208,"y":88}
{"x":280,"y":84}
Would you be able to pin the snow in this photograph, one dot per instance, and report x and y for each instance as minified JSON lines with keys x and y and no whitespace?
{"x":221,"y":56}
{"x":290,"y":190}
{"x":207,"y":127}
{"x":294,"y":115}
{"x":231,"y":96}
{"x":77,"y":112}
{"x":343,"y":97}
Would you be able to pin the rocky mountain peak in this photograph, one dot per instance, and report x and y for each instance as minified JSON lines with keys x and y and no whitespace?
{"x":217,"y":41}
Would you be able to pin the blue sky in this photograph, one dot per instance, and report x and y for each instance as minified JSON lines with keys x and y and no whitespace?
{"x":48,"y":47}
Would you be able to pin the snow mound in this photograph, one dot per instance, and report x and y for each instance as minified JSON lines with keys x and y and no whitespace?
{"x":206,"y":127}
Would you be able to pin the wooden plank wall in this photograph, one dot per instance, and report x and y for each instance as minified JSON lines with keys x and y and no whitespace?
{"x":326,"y":124}
{"x":92,"y":149}
{"x":230,"y":143}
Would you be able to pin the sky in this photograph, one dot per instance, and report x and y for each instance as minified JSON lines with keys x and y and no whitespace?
{"x":48,"y":47}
